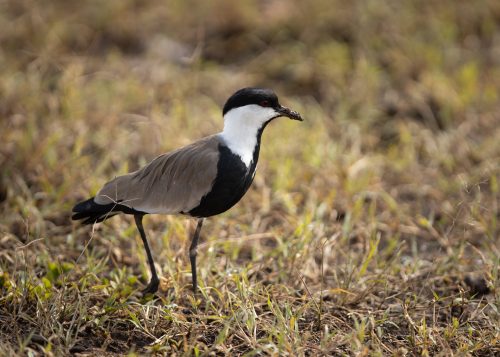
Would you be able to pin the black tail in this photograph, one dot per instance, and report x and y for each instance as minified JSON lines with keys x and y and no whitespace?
{"x":92,"y":212}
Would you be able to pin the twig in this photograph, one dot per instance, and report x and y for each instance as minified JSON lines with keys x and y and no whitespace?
{"x":29,"y":243}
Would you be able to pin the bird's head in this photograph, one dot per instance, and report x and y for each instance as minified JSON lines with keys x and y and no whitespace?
{"x":255,"y":107}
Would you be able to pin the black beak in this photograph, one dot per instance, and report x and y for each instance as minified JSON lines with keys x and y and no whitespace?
{"x":292,"y":114}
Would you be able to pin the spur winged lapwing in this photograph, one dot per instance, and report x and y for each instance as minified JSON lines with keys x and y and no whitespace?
{"x":200,"y":180}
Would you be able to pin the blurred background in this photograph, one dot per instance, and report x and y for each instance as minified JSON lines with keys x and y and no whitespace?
{"x":399,"y":153}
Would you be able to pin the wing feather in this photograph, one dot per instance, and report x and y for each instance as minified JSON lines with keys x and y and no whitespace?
{"x":174,"y":182}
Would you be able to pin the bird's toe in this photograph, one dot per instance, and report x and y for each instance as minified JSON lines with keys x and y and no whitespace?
{"x":151,"y":288}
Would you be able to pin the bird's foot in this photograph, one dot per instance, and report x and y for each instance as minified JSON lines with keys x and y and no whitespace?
{"x":152,"y":287}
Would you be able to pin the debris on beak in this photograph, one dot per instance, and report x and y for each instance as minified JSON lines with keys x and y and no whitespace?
{"x":292,"y":114}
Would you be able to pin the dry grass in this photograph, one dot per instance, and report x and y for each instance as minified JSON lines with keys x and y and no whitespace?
{"x":371,"y":228}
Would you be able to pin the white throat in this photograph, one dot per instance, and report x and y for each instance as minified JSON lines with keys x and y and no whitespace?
{"x":241,"y":126}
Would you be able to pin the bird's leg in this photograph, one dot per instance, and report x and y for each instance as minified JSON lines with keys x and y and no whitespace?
{"x":193,"y":249}
{"x":154,"y":282}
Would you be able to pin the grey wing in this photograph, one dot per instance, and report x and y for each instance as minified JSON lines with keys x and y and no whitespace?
{"x":172,"y":183}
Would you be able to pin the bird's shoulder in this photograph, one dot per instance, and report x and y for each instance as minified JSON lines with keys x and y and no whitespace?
{"x":201,"y":152}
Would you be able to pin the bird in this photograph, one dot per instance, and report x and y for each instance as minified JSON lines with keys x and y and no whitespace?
{"x":200,"y":180}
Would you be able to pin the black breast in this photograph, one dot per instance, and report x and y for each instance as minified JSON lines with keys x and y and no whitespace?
{"x":231,"y":183}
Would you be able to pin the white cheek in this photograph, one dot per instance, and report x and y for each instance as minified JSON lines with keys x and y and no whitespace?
{"x":265,"y":114}
{"x":248,"y":118}
{"x":251,"y":115}
{"x":241,"y":126}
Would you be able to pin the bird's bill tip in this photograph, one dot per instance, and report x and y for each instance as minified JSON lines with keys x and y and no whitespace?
{"x":292,"y":114}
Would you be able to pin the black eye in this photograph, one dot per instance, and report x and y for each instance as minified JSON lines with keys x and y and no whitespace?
{"x":264,"y":103}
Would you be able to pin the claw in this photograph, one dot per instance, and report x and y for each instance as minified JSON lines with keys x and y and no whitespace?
{"x":152,"y":287}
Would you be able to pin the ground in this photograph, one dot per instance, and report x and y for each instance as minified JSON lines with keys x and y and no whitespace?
{"x":372,"y":228}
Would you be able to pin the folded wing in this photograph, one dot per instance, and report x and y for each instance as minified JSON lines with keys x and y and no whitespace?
{"x":174,"y":182}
